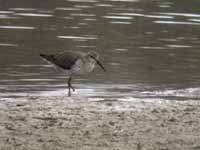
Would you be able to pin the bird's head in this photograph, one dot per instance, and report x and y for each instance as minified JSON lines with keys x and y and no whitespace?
{"x":95,"y":56}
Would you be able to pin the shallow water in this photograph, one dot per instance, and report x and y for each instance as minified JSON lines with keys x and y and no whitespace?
{"x":150,"y":48}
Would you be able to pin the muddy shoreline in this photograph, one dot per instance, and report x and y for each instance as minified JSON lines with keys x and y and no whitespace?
{"x":62,"y":123}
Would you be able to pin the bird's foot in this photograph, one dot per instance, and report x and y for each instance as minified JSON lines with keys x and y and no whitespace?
{"x":73,"y":89}
{"x":69,"y":91}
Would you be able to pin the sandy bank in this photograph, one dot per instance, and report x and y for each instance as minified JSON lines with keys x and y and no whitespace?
{"x":62,"y":123}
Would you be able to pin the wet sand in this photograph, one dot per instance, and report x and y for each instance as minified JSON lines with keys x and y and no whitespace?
{"x":81,"y":123}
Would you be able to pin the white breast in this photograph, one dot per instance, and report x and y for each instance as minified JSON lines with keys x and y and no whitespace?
{"x":83,"y":66}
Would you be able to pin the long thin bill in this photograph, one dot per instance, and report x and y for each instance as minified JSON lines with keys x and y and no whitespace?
{"x":98,"y":62}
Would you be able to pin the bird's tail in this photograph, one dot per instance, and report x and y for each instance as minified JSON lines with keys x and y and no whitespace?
{"x":47,"y":57}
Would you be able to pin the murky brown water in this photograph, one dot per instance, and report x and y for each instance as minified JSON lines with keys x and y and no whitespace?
{"x":150,"y":48}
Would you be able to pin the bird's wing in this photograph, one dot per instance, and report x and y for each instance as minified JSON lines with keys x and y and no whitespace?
{"x":65,"y":60}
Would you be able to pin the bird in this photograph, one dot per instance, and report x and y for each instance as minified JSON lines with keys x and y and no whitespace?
{"x":74,"y":63}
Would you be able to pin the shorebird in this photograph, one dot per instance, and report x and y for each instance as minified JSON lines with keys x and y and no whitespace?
{"x":74,"y":63}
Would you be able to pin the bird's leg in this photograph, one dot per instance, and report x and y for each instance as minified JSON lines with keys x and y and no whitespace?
{"x":70,"y":86}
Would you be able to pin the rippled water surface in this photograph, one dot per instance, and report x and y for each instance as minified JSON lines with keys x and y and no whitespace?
{"x":150,"y":48}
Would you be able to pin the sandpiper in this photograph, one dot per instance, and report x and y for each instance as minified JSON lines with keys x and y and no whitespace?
{"x":74,"y":63}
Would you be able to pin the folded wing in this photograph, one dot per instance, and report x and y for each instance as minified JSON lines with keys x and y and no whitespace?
{"x":64,"y":60}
